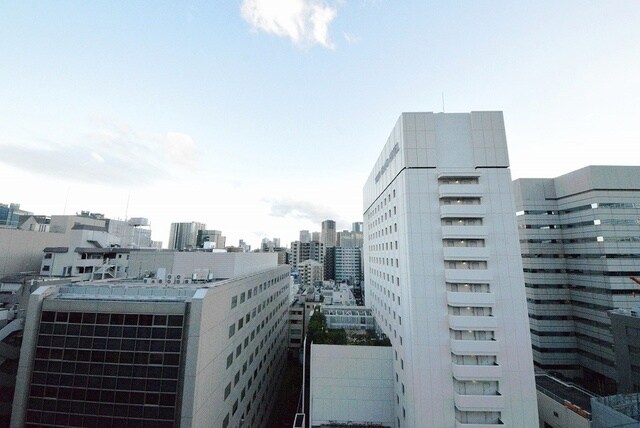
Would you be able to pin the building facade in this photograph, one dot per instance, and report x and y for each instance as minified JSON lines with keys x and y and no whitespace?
{"x":580,"y":243}
{"x":443,"y":273}
{"x":625,"y":327}
{"x":348,"y":265}
{"x":133,"y":354}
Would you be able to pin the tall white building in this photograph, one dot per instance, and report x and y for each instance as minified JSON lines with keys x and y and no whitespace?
{"x":444,"y":275}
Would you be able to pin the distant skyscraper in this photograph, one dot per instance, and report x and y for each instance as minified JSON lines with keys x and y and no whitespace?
{"x":211,"y":239}
{"x":184,"y":235}
{"x":315,"y":236}
{"x":305,"y":236}
{"x":580,"y":243}
{"x":328,"y":234}
{"x":443,"y":273}
{"x":356,"y":227}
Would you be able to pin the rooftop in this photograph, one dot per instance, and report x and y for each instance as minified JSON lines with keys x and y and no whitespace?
{"x":561,"y":391}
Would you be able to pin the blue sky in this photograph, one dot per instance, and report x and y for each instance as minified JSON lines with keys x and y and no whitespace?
{"x":263,"y":117}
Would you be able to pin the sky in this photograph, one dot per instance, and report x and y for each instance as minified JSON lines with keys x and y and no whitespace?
{"x":262,"y":118}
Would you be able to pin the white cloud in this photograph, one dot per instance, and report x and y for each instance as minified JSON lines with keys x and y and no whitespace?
{"x":305,"y":22}
{"x":112,"y":154}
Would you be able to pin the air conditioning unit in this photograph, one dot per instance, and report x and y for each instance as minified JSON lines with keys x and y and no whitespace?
{"x":169,"y":281}
{"x":177,"y":276}
{"x":169,"y":276}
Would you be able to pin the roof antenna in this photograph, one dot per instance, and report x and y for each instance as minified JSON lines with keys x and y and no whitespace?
{"x":66,"y":199}
{"x":126,"y":211}
{"x":443,"y":102}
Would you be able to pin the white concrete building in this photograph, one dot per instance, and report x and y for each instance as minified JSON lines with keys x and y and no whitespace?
{"x":136,"y":354}
{"x":580,"y":243}
{"x":444,"y":275}
{"x":310,"y":272}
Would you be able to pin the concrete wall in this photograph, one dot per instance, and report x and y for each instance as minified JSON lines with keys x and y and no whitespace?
{"x":21,"y":250}
{"x":351,"y":384}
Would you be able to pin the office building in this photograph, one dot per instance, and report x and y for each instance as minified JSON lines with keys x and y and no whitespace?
{"x":133,"y":354}
{"x":348,"y":265}
{"x":315,"y":236}
{"x":580,"y":244}
{"x":184,"y":236}
{"x":357,"y":227}
{"x":349,"y":239}
{"x":443,"y":273}
{"x":209,"y":239}
{"x":10,"y":215}
{"x":328,"y":234}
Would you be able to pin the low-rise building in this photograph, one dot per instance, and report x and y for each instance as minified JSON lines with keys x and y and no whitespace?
{"x":131,"y":353}
{"x":561,"y":404}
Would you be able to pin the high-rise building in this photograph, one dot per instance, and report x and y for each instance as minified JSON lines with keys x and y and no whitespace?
{"x":580,"y":244}
{"x":328,"y":235}
{"x":305,"y":236}
{"x":184,"y":236}
{"x":443,"y":273}
{"x":349,"y":239}
{"x":348,"y":264}
{"x":306,"y":251}
{"x":135,"y":355}
{"x":357,"y":227}
{"x":315,"y":236}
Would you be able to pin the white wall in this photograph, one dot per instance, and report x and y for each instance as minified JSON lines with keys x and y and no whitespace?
{"x":351,"y":384}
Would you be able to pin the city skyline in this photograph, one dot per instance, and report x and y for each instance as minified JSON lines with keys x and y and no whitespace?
{"x":262,"y":122}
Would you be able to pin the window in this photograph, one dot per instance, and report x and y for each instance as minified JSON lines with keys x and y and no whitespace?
{"x":234,"y":302}
{"x":227,"y":390}
{"x":229,"y":360}
{"x":232,"y":330}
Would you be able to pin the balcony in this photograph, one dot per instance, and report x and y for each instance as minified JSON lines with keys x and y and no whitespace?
{"x":464,"y":322}
{"x":453,"y":232}
{"x":479,"y":403}
{"x":474,"y":425}
{"x":474,"y":347}
{"x":457,"y":298}
{"x":461,"y":372}
{"x":462,"y":210}
{"x":467,"y":275}
{"x":465,"y":253}
{"x":453,"y":190}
